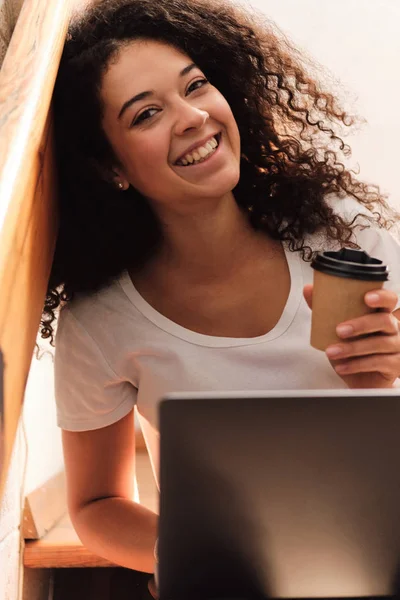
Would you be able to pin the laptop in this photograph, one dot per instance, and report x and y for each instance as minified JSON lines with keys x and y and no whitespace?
{"x":279,"y":495}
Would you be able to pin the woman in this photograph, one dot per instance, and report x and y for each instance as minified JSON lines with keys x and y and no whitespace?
{"x":200,"y":168}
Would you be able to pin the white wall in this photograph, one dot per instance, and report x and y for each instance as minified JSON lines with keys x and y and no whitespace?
{"x":10,"y":518}
{"x":359,"y":42}
{"x":44,"y":439}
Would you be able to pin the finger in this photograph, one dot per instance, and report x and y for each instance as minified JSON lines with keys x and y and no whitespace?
{"x":386,"y":364}
{"x":384,"y":299}
{"x":374,"y":344}
{"x":307,"y":293}
{"x":382,"y":322}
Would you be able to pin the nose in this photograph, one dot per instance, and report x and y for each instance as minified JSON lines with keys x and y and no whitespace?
{"x":189,"y":117}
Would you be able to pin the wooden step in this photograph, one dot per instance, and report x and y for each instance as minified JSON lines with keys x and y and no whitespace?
{"x":61,"y":547}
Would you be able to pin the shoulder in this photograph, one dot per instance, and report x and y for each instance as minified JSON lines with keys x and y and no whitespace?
{"x":92,"y":324}
{"x":93,"y":389}
{"x":92,"y":311}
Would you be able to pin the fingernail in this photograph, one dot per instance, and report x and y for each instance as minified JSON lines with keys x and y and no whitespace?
{"x":372,"y":297}
{"x":344,"y":330}
{"x":334,"y":351}
{"x":341,"y":368}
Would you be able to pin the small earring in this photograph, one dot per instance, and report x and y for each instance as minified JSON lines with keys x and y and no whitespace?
{"x":121,"y":185}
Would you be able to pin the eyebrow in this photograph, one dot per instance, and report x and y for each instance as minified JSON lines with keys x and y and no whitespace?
{"x":143,"y":95}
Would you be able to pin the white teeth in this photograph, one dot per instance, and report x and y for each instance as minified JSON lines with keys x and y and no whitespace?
{"x":196,"y":155}
{"x":203,"y":152}
{"x":200,"y":153}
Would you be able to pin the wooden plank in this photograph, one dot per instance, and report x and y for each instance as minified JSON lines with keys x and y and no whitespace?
{"x":27,"y":194}
{"x":44,"y":507}
{"x":61,"y":547}
{"x":23,"y":282}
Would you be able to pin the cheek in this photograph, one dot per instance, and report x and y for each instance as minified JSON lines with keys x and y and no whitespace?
{"x":223,"y":113}
{"x":146,"y":160}
{"x":149,"y":154}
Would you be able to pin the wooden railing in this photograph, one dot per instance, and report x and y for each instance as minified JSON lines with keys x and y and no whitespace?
{"x":28,"y":222}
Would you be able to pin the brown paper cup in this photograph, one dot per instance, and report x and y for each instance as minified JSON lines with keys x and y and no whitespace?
{"x":335,"y":300}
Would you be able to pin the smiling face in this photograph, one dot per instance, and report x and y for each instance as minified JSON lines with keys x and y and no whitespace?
{"x":172,"y":132}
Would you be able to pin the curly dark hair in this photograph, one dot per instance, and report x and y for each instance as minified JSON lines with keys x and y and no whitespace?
{"x":292,"y":151}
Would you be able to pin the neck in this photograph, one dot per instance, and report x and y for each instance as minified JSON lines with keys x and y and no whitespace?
{"x":210,"y":241}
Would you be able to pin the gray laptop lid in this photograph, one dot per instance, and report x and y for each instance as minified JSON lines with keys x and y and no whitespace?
{"x":288,"y":495}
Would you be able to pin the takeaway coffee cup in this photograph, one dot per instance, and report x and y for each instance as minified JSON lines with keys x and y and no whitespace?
{"x":341,"y":280}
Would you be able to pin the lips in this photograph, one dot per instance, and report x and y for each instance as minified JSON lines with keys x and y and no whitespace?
{"x":198,"y":144}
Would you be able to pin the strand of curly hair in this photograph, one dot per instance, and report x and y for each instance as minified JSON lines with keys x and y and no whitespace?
{"x":292,"y":152}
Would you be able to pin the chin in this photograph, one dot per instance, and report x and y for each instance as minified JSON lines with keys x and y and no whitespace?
{"x":218,"y":191}
{"x":227,"y":183}
{"x":218,"y":185}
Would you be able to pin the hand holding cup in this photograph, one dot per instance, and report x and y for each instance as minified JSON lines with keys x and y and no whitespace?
{"x":353,"y":320}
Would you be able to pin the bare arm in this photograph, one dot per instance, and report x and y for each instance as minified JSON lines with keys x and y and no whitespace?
{"x":100,"y":467}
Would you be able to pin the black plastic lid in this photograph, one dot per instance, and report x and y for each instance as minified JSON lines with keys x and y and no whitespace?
{"x":352,"y":264}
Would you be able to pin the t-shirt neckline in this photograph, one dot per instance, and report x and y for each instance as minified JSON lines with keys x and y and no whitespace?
{"x":200,"y":339}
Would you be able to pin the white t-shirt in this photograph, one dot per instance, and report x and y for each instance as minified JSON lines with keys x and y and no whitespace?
{"x":114,"y":351}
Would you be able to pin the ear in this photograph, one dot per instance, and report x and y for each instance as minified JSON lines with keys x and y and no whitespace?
{"x":112,"y":175}
{"x":119,"y":179}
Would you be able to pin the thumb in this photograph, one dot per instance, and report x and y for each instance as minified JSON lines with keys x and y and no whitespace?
{"x":307,"y":293}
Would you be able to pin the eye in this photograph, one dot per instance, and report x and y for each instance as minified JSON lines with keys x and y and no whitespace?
{"x":195,"y":85}
{"x":144,"y":116}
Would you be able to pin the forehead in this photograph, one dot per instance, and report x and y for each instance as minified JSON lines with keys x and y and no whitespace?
{"x":140,"y":66}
